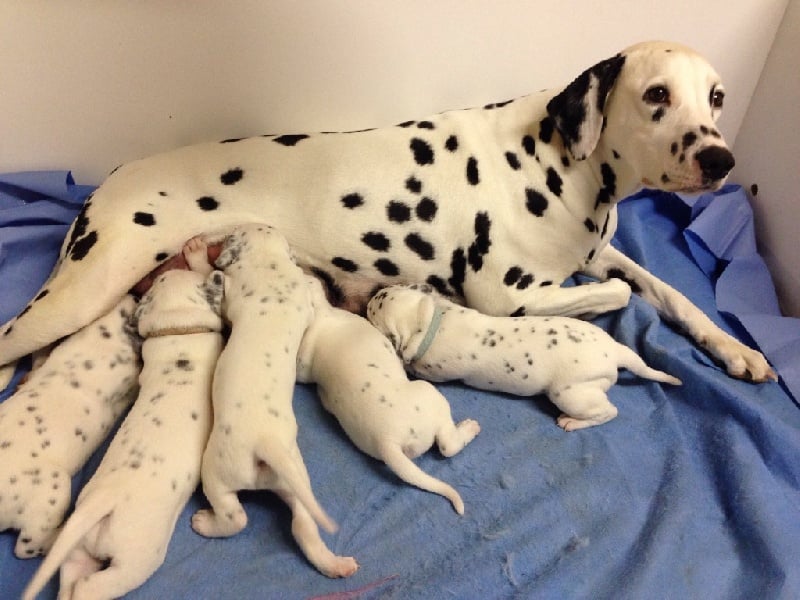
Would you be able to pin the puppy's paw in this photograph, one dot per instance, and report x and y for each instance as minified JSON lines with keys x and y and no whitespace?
{"x":208,"y":524}
{"x":195,"y":253}
{"x":340,"y":566}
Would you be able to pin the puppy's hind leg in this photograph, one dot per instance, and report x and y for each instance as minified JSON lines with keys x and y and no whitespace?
{"x":78,"y":565}
{"x":306,"y":534}
{"x":452,"y":438}
{"x":226,"y":517}
{"x":394,"y":457}
{"x":584,"y":405}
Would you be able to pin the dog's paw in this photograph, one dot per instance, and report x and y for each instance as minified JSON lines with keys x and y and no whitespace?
{"x":340,"y":566}
{"x":739,"y":360}
{"x":206,"y":523}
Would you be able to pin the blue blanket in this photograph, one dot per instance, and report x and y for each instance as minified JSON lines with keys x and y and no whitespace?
{"x":692,"y":492}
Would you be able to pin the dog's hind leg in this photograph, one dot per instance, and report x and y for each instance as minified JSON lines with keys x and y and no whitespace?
{"x":78,"y":294}
{"x":584,"y":405}
{"x":226,"y":517}
{"x":306,"y":534}
{"x":452,"y":438}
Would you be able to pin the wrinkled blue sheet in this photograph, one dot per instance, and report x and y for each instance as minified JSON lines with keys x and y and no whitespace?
{"x":692,"y":492}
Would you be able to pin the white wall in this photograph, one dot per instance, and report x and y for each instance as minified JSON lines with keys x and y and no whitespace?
{"x":768,"y":153}
{"x":89,"y":84}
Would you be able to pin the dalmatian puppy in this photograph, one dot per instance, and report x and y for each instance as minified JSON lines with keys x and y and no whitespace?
{"x":253,"y":443}
{"x":495,"y":207}
{"x":572,"y":361}
{"x":361,"y":381}
{"x":55,"y":421}
{"x":126,"y":513}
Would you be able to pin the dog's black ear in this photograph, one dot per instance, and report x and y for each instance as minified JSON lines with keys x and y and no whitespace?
{"x":578,"y":110}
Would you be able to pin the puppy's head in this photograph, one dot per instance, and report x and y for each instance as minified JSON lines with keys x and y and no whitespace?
{"x":403,"y":314}
{"x":181,"y":302}
{"x":256,"y":242}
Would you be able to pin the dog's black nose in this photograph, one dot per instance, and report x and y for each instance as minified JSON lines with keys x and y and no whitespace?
{"x":715,"y":162}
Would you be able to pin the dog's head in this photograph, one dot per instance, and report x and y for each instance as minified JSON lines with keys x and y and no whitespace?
{"x":655,"y":105}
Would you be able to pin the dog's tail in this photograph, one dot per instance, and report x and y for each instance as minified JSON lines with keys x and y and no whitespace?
{"x":628,"y":359}
{"x":407,"y":470}
{"x":88,"y":513}
{"x":290,"y":468}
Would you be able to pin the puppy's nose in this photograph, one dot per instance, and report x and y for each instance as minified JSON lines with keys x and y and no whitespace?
{"x":715,"y":162}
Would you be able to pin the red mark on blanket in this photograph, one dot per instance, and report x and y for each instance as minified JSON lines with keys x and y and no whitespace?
{"x":355,"y":593}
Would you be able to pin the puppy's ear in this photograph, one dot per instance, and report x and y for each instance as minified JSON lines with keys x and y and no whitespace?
{"x":214,"y":288}
{"x":577,"y":111}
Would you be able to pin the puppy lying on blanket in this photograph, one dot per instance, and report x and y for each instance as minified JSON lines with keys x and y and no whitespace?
{"x":56,"y":420}
{"x":253,"y":444}
{"x":572,"y":361}
{"x":127,"y":511}
{"x":362,"y":382}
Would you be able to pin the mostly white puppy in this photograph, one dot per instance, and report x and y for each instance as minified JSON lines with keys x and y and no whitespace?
{"x":126,"y":513}
{"x":253,"y":443}
{"x":55,"y":421}
{"x":361,"y":381}
{"x":572,"y":361}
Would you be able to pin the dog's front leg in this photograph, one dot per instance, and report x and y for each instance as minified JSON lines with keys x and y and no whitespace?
{"x":739,"y":360}
{"x":585,"y":300}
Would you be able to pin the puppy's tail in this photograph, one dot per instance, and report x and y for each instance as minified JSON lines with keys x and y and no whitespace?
{"x":628,"y":359}
{"x":87,"y":514}
{"x":290,"y":468}
{"x":407,"y":470}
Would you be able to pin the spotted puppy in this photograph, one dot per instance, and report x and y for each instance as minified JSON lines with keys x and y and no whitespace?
{"x":253,"y":443}
{"x":572,"y":361}
{"x":363,"y":384}
{"x":126,"y":513}
{"x":56,"y":420}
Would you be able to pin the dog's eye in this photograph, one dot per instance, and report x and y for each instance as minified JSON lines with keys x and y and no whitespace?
{"x":717,"y":98}
{"x":657,"y":95}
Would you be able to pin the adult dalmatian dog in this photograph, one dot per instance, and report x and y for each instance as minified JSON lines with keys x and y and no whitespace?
{"x":493,"y":206}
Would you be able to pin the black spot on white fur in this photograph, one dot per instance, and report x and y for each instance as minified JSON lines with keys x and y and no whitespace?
{"x":423,"y":152}
{"x":398,"y":212}
{"x":232,"y":176}
{"x":376,"y":241}
{"x":480,"y":247}
{"x":426,"y":210}
{"x":535,"y":202}
{"x":352,"y":200}
{"x":473,"y":175}
{"x":207,"y":203}
{"x":420,"y":246}
{"x":144,"y":219}
{"x":289,"y":140}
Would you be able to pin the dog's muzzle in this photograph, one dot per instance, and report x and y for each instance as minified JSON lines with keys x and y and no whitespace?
{"x":715,"y":163}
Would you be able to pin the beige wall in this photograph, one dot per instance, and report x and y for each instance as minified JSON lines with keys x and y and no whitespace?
{"x":768,"y":153}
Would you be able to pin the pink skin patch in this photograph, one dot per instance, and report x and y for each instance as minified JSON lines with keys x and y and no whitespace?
{"x":174,"y":262}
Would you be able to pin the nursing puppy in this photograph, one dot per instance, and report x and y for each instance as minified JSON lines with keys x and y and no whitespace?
{"x":363,"y":384}
{"x":253,"y":444}
{"x":572,"y":361}
{"x":126,"y":513}
{"x":57,"y":419}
